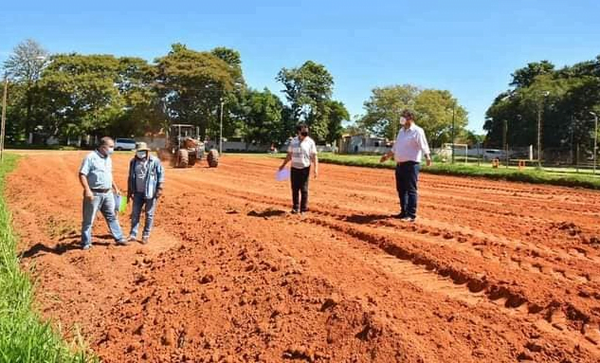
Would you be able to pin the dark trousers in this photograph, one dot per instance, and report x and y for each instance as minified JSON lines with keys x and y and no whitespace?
{"x":407,"y":176}
{"x":300,"y":179}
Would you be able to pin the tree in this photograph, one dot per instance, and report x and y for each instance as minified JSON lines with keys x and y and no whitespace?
{"x":263,"y":118}
{"x":524,"y":77}
{"x":142,"y":110}
{"x":336,"y":115}
{"x":25,"y":66}
{"x":78,"y":94}
{"x":307,"y":90}
{"x":192,"y":85}
{"x":384,"y":106}
{"x":433,"y":111}
{"x":560,"y":99}
{"x":438,"y":113}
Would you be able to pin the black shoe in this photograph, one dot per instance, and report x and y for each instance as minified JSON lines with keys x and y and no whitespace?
{"x":294,"y":211}
{"x":399,"y":216}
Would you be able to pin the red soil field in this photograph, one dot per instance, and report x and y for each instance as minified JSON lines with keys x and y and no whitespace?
{"x":490,"y":271}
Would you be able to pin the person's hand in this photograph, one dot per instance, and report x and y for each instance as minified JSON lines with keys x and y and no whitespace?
{"x":89,"y":195}
{"x":383,"y":158}
{"x":428,"y":162}
{"x":159,"y":192}
{"x":117,"y":191}
{"x":281,"y":167}
{"x":316,"y":174}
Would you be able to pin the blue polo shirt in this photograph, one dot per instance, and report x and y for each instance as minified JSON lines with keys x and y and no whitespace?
{"x":98,"y":170}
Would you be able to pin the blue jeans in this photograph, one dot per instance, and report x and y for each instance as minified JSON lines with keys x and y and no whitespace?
{"x":407,"y":176}
{"x":105,"y":202}
{"x":139,"y":200}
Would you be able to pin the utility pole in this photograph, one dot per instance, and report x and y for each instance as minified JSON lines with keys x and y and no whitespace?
{"x":453,"y":111}
{"x":595,"y":139}
{"x":539,"y":128}
{"x":221,"y":129}
{"x":539,"y":136}
{"x":3,"y":126}
{"x":504,"y":142}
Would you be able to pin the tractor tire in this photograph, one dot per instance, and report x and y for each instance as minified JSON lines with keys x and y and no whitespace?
{"x":182,"y":158}
{"x":213,"y":158}
{"x":192,"y":159}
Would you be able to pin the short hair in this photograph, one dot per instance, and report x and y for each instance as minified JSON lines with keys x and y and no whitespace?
{"x":105,"y":140}
{"x":408,"y":114}
{"x":301,"y":126}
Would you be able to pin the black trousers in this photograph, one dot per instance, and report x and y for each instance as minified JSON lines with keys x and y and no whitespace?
{"x":407,"y":177}
{"x":300,"y":179}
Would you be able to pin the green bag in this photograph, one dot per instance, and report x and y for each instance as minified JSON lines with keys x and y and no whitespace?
{"x":120,"y":203}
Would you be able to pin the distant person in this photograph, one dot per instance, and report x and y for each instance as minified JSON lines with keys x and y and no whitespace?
{"x":144,"y":187}
{"x":95,"y":176}
{"x":408,"y":150}
{"x":302,"y":152}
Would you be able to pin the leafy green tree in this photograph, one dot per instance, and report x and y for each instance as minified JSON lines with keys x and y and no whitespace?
{"x":24,"y":66}
{"x":524,"y":77}
{"x":336,"y":115}
{"x":561,"y":99}
{"x":384,"y":106}
{"x":78,"y":93}
{"x":437,"y":113}
{"x":434,"y":111}
{"x":192,"y":85}
{"x":307,"y":90}
{"x":263,"y":119}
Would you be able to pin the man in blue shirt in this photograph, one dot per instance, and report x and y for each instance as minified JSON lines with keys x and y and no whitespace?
{"x":144,"y":187}
{"x":95,"y":176}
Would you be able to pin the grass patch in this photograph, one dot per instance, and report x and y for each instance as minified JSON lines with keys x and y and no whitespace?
{"x":533,"y":176}
{"x":24,"y":337}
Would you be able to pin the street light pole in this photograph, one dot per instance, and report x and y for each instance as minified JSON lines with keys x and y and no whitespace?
{"x":221,"y":129}
{"x":505,"y":142}
{"x":595,"y":139}
{"x":3,"y":126}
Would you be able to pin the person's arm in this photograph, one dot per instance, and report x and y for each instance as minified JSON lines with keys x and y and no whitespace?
{"x":315,"y":160}
{"x":86,"y":186}
{"x":288,"y":157}
{"x":130,"y":181}
{"x":160,"y":172}
{"x":425,"y":147}
{"x":83,"y":173}
{"x":116,"y":188}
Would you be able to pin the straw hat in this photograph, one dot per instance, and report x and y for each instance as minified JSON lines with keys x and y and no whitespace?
{"x":142,"y":146}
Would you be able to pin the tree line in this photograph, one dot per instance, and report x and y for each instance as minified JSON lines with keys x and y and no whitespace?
{"x":557,"y":103}
{"x":68,"y":95}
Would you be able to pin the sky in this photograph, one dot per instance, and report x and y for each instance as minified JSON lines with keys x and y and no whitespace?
{"x":469,"y":47}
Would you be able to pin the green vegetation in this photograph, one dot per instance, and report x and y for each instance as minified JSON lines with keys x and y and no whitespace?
{"x":560,"y":99}
{"x":24,"y":337}
{"x":529,"y":175}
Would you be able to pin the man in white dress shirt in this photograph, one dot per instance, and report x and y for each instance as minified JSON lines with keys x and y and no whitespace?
{"x":302,"y":152}
{"x":408,"y":150}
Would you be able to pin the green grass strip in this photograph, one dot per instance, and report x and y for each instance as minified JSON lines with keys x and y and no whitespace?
{"x":24,"y":336}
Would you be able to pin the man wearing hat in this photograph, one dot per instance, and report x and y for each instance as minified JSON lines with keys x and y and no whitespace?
{"x":145,"y":186}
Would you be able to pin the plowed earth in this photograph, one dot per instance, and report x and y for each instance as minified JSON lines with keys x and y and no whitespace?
{"x":490,"y":272}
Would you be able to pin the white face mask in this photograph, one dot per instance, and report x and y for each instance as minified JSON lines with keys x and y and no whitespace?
{"x":402,"y":121}
{"x":110,"y":150}
{"x":141,"y":154}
